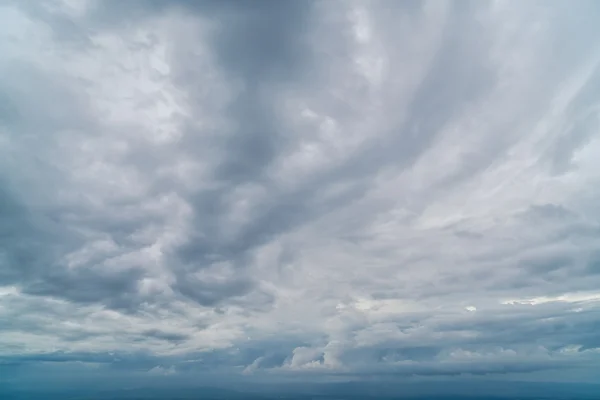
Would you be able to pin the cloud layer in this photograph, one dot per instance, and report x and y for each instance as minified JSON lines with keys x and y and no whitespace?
{"x":277,"y":189}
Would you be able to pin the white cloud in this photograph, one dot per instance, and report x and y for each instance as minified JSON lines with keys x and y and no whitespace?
{"x":568,"y":298}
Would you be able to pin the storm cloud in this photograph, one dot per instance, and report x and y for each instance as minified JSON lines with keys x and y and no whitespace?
{"x":300,"y":188}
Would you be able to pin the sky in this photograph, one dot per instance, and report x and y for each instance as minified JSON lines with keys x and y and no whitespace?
{"x":305,"y":190}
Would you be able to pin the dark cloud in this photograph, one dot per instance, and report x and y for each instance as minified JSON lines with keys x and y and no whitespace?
{"x":28,"y":238}
{"x":89,"y":287}
{"x":31,"y":250}
{"x":211,"y":294}
{"x":169,"y":336}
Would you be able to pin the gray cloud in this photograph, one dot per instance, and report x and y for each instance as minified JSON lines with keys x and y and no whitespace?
{"x":281,"y":189}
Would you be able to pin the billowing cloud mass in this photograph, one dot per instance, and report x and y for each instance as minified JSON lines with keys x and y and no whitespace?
{"x":276,"y":189}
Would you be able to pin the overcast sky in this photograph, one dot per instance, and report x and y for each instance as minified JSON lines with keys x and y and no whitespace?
{"x":268,"y":190}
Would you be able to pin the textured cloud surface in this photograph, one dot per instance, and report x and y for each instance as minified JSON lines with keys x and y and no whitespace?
{"x":274,"y":189}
